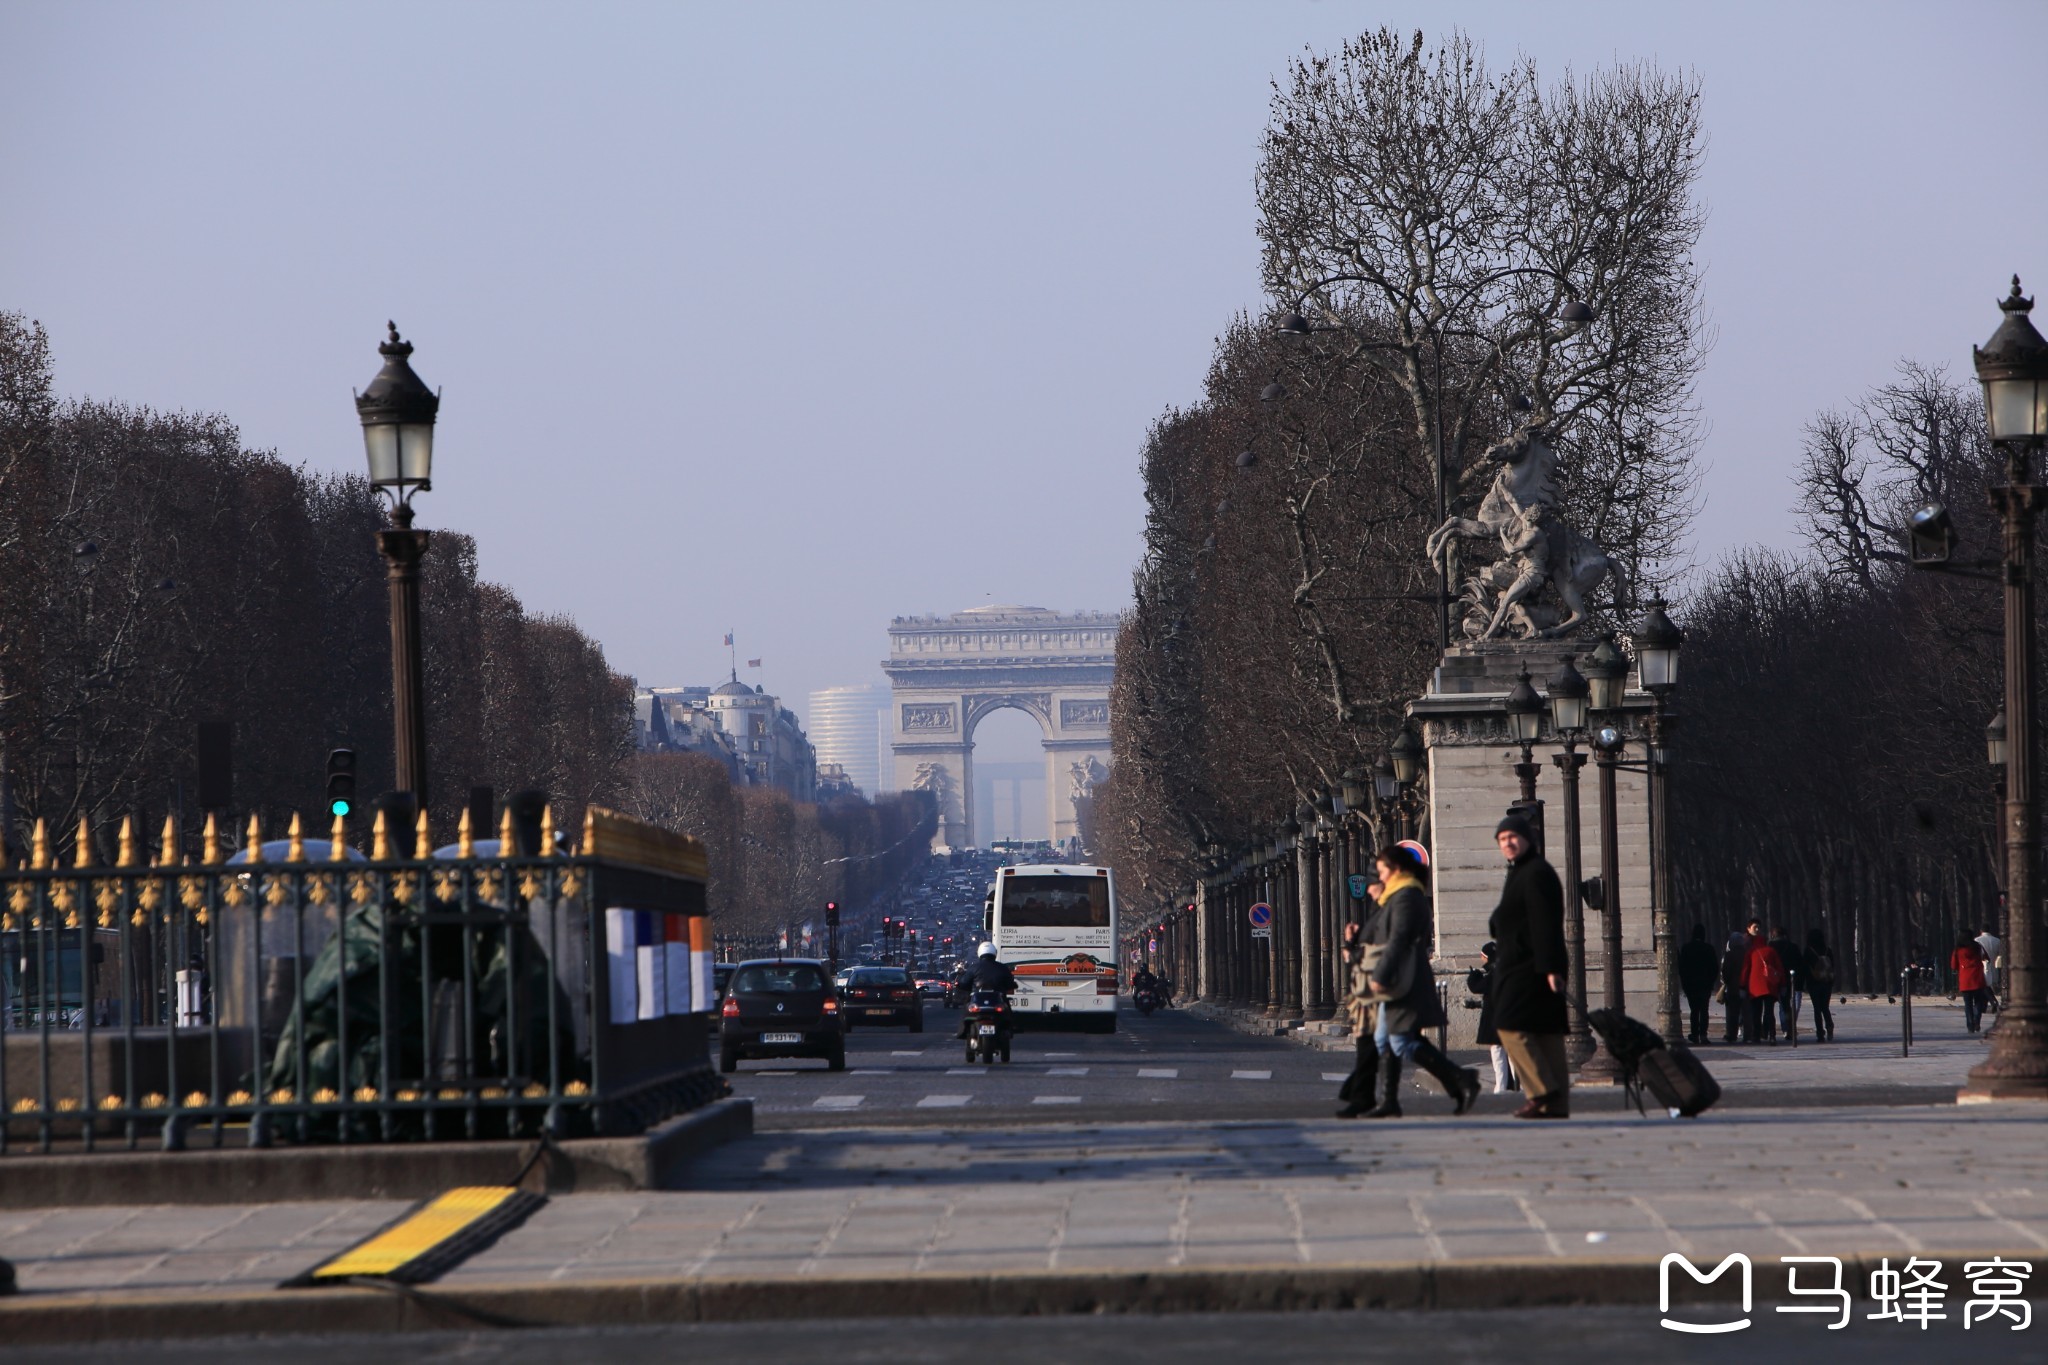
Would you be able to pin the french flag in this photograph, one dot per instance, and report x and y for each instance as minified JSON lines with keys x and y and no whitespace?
{"x":675,"y":949}
{"x":650,"y":959}
{"x":622,"y":965}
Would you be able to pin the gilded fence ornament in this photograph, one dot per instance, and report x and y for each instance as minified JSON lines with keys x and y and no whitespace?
{"x":81,"y":856}
{"x":124,"y":847}
{"x":380,"y":840}
{"x":465,"y":840}
{"x":295,"y":851}
{"x":254,"y":844}
{"x":209,"y":842}
{"x":39,"y":846}
{"x":423,"y":841}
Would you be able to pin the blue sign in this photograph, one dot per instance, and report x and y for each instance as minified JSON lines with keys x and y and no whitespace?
{"x":1357,"y":886}
{"x":1261,"y":915}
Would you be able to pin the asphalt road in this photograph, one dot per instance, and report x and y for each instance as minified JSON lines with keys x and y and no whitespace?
{"x":1578,"y":1336}
{"x":1170,"y":1066}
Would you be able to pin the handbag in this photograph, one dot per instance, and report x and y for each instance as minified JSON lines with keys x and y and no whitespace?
{"x":1402,"y":979}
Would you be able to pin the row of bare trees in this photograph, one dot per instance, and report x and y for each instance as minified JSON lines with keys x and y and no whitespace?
{"x":1454,"y":256}
{"x":155,"y":573}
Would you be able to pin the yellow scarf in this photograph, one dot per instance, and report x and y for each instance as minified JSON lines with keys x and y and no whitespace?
{"x":1399,"y":881}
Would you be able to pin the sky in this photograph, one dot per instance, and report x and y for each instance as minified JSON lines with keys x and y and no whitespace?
{"x":788,"y":318}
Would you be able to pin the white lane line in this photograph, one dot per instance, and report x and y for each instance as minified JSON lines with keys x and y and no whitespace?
{"x":906,"y":1052}
{"x":1066,"y":1071}
{"x":1251,"y":1075}
{"x":1158,"y":1073}
{"x":1062,"y":1054}
{"x":967,"y":1071}
{"x":872,"y":1071}
{"x":837,"y":1101}
{"x":775,"y":1073}
{"x":1055,"y":1099}
{"x":1336,"y":1075}
{"x":943,"y":1101}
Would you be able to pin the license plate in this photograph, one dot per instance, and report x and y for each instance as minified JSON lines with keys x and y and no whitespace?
{"x":782,"y":1037}
{"x":987,"y":1030}
{"x":881,"y":1011}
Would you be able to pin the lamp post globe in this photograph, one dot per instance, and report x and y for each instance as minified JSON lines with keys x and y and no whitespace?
{"x":1406,"y":756}
{"x":397,"y":411}
{"x":1569,"y":699}
{"x":1606,"y":675}
{"x":1354,"y":789}
{"x":1994,"y":740}
{"x":1386,"y":784}
{"x":1525,"y":712}
{"x":2013,"y":368}
{"x":1657,"y":644}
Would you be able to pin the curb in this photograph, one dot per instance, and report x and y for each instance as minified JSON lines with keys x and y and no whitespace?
{"x":1454,"y":1286}
{"x":653,"y":1160}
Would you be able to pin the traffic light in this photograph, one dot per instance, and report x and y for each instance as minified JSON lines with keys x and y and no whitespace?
{"x":832,"y":913}
{"x":341,"y":782}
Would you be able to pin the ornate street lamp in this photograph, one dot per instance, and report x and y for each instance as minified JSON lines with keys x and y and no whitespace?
{"x":1406,"y":756}
{"x":1569,"y":702}
{"x":1657,"y":643}
{"x":2013,"y":368}
{"x":1607,"y":676}
{"x":1994,"y":740}
{"x":1525,"y":723}
{"x":1608,"y":744}
{"x":397,"y":412}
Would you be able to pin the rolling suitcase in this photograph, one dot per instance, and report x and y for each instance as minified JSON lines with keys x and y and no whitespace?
{"x":1678,"y":1079}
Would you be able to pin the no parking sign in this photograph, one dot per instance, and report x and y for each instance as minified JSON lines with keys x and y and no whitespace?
{"x":1261,"y":916}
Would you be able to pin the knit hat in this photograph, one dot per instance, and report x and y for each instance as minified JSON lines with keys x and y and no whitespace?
{"x":1518,"y":824}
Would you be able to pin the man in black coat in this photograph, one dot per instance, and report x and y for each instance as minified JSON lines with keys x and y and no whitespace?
{"x":1698,"y":970}
{"x":1527,"y":991}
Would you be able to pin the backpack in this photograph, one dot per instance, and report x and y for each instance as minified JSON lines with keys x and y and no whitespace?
{"x":1821,"y":971}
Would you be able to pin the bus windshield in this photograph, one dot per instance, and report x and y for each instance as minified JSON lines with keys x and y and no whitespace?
{"x":1055,"y":902}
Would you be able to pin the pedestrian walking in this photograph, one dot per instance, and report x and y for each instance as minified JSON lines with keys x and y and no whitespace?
{"x":1735,"y":995}
{"x":1763,"y":977}
{"x":1818,"y":970}
{"x":1529,"y":969}
{"x":1477,"y":981}
{"x":1789,"y":957}
{"x":1698,"y":969}
{"x":1360,"y":1091}
{"x":1993,"y":947}
{"x":1967,"y":961}
{"x":1401,"y":982}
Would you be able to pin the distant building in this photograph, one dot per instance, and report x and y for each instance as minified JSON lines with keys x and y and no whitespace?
{"x":846,"y":727}
{"x":834,"y":782}
{"x":751,"y":733}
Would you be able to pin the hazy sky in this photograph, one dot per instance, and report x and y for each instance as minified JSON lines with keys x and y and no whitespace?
{"x":788,"y":318}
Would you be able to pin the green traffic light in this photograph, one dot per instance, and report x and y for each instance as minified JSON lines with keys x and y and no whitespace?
{"x":339,"y":806}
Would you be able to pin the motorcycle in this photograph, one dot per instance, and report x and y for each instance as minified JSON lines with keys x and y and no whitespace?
{"x":988,"y":1026}
{"x":1146,"y":999}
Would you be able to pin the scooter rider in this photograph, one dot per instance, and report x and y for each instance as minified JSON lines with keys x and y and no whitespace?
{"x":987,"y":974}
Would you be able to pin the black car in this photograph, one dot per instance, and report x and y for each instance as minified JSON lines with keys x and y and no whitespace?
{"x":883,"y":995}
{"x":781,"y":1007}
{"x":721,"y":977}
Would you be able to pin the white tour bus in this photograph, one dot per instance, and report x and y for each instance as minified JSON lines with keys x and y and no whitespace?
{"x":1056,"y":928}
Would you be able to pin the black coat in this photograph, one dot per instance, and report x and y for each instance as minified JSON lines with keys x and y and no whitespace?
{"x":1403,"y":924}
{"x":1698,"y":969}
{"x":1528,"y":945}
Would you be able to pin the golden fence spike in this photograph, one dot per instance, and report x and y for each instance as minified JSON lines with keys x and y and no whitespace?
{"x":296,"y":853}
{"x":82,"y":855}
{"x":465,"y":838}
{"x":337,"y":850}
{"x":380,"y":839}
{"x":589,"y":831}
{"x":209,"y":841}
{"x":167,"y":852}
{"x":255,"y":838}
{"x":423,"y":842}
{"x":508,"y":838}
{"x":39,"y":845}
{"x":125,"y":855}
{"x":547,"y":831}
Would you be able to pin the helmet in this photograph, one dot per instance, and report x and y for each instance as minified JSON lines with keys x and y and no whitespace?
{"x":987,"y":950}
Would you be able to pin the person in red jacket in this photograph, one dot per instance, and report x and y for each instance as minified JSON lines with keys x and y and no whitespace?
{"x":1967,"y":961}
{"x":1763,"y":977}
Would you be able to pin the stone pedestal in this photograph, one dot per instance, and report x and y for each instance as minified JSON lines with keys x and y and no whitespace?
{"x":1462,"y":720}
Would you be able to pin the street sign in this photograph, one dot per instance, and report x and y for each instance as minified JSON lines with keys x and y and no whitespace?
{"x":1261,"y":916}
{"x":1357,"y":886}
{"x":1153,"y":944}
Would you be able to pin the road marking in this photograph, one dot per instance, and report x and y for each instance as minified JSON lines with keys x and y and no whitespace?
{"x":872,"y":1071}
{"x":1066,"y":1071}
{"x":432,"y":1237}
{"x":1062,"y":1054}
{"x":1055,"y":1099}
{"x":775,"y":1073}
{"x":1158,"y":1073}
{"x":902,"y":1052}
{"x":1251,"y":1075}
{"x":1336,"y":1075}
{"x":837,"y":1101}
{"x":966,"y":1071}
{"x":943,"y":1101}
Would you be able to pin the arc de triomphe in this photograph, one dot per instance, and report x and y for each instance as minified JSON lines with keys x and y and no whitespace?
{"x":948,"y":672}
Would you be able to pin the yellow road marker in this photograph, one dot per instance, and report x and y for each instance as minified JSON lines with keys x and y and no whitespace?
{"x":429,"y":1240}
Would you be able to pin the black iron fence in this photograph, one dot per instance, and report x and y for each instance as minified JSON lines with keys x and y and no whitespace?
{"x":304,"y":990}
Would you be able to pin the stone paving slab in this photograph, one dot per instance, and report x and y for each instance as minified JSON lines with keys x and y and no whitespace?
{"x":838,"y":1203}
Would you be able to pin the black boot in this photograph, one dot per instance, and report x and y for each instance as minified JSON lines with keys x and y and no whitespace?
{"x":1389,"y":1106}
{"x":1359,"y":1092}
{"x":1461,"y":1083}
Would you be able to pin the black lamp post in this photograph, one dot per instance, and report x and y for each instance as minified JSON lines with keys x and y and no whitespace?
{"x":1569,"y":702}
{"x":1608,"y":743}
{"x":1657,"y":645}
{"x":397,"y":413}
{"x":1386,"y":789}
{"x":2013,"y":369}
{"x":1525,"y":723}
{"x":1357,"y":788}
{"x":1405,"y":757}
